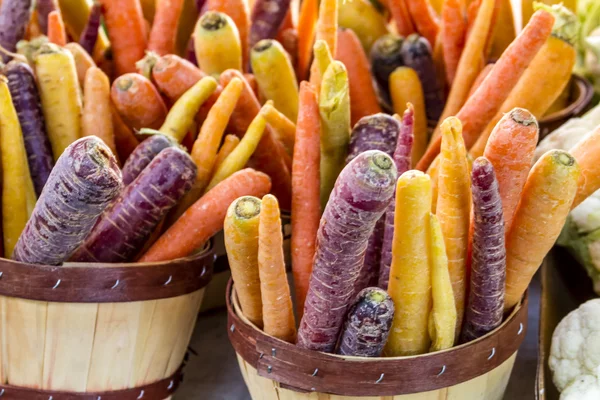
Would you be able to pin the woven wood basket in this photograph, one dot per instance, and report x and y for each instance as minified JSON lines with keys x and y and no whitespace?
{"x":98,"y":331}
{"x":276,"y":370}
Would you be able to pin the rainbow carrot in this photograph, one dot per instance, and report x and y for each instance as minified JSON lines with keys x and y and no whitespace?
{"x":240,"y":14}
{"x":56,"y":29}
{"x":424,"y":19}
{"x":306,"y":35}
{"x":585,"y":154}
{"x":453,"y":30}
{"x":230,"y":142}
{"x":401,"y":17}
{"x":164,"y":26}
{"x":214,"y":32}
{"x":283,"y":128}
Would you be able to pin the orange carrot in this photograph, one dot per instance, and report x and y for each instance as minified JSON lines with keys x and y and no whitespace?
{"x":283,"y":129}
{"x":487,"y":100}
{"x":229,"y":144}
{"x":472,"y":11}
{"x":56,"y":29}
{"x":327,"y":24}
{"x":174,"y":75}
{"x":205,"y":217}
{"x":278,"y":311}
{"x":269,"y":155}
{"x":424,"y":19}
{"x":510,"y":150}
{"x":125,"y":140}
{"x":306,"y":36}
{"x":363,"y":100}
{"x":83,"y":61}
{"x":480,"y":78}
{"x":138,"y":101}
{"x":586,"y":153}
{"x":127,"y":32}
{"x":306,"y":208}
{"x":96,"y":119}
{"x":238,"y":11}
{"x":401,"y":16}
{"x":164,"y":27}
{"x":453,"y":32}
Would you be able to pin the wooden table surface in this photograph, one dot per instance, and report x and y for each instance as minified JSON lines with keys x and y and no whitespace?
{"x":213,"y":374}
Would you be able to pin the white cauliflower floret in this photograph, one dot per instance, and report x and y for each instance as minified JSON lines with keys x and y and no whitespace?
{"x":575,"y":350}
{"x":586,"y":387}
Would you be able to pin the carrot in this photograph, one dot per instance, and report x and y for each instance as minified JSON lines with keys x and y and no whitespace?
{"x":334,"y":107}
{"x":267,"y":18}
{"x":480,"y":108}
{"x":585,"y":152}
{"x":269,"y":155}
{"x":510,"y":150}
{"x":485,"y":71}
{"x":148,"y":9}
{"x":230,"y":142}
{"x":363,"y":100}
{"x":97,"y":119}
{"x":185,"y":28}
{"x":241,"y":242}
{"x":306,"y":209}
{"x":83,"y":61}
{"x":289,"y":41}
{"x":174,"y":76}
{"x":453,"y":30}
{"x":164,"y":27}
{"x":364,"y":19}
{"x":504,"y":31}
{"x":425,"y":20}
{"x":306,"y":35}
{"x":60,"y":96}
{"x":327,"y":23}
{"x":540,"y":86}
{"x":89,"y":34}
{"x":32,"y":30}
{"x":56,"y":29}
{"x":472,"y":11}
{"x":242,"y":153}
{"x":545,"y":203}
{"x":322,"y":59}
{"x":75,"y":14}
{"x":125,"y":140}
{"x":410,"y":274}
{"x":278,"y":311}
{"x":275,"y":76}
{"x":240,"y":14}
{"x":14,"y":17}
{"x":405,"y":87}
{"x":453,"y":209}
{"x":401,"y":17}
{"x":127,"y":32}
{"x":442,"y":320}
{"x":43,"y":8}
{"x":214,"y":32}
{"x":283,"y":128}
{"x":138,"y":101}
{"x":18,"y":194}
{"x":181,"y":116}
{"x":205,"y":217}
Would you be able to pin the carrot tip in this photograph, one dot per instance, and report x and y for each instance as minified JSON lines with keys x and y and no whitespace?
{"x":523,"y":117}
{"x":247,"y":207}
{"x":564,"y":158}
{"x":213,"y":21}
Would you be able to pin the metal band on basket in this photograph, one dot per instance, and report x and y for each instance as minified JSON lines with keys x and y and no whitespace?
{"x":309,"y":371}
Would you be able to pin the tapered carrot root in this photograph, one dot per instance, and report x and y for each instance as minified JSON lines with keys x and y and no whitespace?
{"x":241,"y":241}
{"x":585,"y":152}
{"x":56,"y":29}
{"x":97,"y":118}
{"x":454,"y":28}
{"x":164,"y":27}
{"x":138,"y":101}
{"x":283,"y":128}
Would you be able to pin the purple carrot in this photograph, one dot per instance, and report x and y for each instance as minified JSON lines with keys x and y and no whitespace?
{"x":403,"y":162}
{"x":43,"y":8}
{"x":385,"y":58}
{"x":89,"y":35}
{"x":488,"y":265}
{"x":125,"y":227}
{"x":361,"y":194}
{"x":84,"y":181}
{"x":26,"y":99}
{"x":267,"y":16}
{"x":143,"y":154}
{"x":14,"y":17}
{"x":374,"y":132}
{"x":368,"y":324}
{"x":416,"y":54}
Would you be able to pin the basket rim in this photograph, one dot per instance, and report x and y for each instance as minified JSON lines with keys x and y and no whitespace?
{"x":294,"y":368}
{"x":107,"y":282}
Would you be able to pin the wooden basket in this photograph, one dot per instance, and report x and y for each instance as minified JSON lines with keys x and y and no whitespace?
{"x":276,"y":370}
{"x":98,"y":331}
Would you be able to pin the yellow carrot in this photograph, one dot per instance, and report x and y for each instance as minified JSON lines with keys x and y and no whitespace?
{"x":18,"y":194}
{"x":75,"y":14}
{"x":322,"y":59}
{"x":60,"y":96}
{"x":410,"y":274}
{"x":229,"y":143}
{"x":214,"y":32}
{"x":364,"y":19}
{"x":242,"y":152}
{"x":454,"y":208}
{"x":241,"y":241}
{"x":545,"y":203}
{"x":442,"y":321}
{"x":283,"y":128}
{"x":278,"y":312}
{"x":275,"y":76}
{"x":181,"y":116}
{"x":405,"y":87}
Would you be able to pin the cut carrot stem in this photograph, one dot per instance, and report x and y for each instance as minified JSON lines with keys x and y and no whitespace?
{"x":205,"y":217}
{"x":241,"y":241}
{"x":410,"y":274}
{"x":545,"y":203}
{"x":424,"y":19}
{"x":138,"y":102}
{"x":240,"y":14}
{"x":230,"y":142}
{"x":278,"y":311}
{"x":283,"y":128}
{"x":306,"y":208}
{"x":214,"y":32}
{"x":401,"y":16}
{"x":306,"y":35}
{"x":453,"y":209}
{"x":363,"y":100}
{"x":56,"y":29}
{"x":164,"y":27}
{"x":454,"y":29}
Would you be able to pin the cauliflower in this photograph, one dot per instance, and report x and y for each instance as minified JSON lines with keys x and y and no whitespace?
{"x":575,"y":352}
